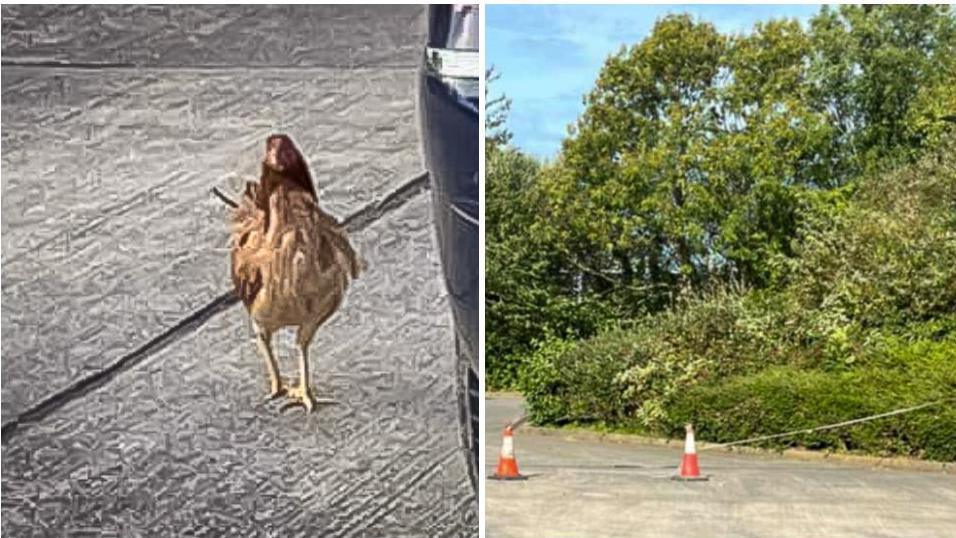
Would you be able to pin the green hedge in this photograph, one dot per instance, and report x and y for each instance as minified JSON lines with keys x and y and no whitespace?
{"x":785,"y":398}
{"x":585,"y":383}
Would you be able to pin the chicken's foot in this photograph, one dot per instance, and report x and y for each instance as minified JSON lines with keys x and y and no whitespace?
{"x":303,"y":395}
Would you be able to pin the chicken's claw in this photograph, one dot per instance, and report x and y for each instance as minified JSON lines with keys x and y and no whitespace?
{"x":276,"y":391}
{"x":304,"y":396}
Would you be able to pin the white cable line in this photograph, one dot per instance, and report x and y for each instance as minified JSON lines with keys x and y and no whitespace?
{"x":827,"y":427}
{"x":518,"y":421}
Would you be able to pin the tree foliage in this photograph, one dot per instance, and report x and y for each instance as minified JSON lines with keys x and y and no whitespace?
{"x":526,"y":280}
{"x":496,"y":114}
{"x":864,"y":322}
{"x":699,"y":162}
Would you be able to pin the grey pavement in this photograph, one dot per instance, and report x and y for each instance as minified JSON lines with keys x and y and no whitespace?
{"x":116,"y":122}
{"x":584,"y":486}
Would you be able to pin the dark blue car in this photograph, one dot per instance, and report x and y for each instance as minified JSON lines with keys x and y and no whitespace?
{"x":448,"y":115}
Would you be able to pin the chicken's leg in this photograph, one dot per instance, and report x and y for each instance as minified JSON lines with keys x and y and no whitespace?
{"x":303,"y":392}
{"x":264,"y":341}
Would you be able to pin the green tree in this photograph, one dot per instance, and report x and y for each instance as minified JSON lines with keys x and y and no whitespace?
{"x":624,"y":199}
{"x":872,"y":64}
{"x":529,"y":293}
{"x":496,"y":113}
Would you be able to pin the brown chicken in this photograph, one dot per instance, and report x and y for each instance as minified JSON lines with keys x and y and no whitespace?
{"x":291,"y":261}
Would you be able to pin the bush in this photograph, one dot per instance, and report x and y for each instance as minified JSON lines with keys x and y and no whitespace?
{"x":625,"y":374}
{"x":887,"y":257}
{"x":531,"y":314}
{"x":786,"y":398}
{"x":566,"y":381}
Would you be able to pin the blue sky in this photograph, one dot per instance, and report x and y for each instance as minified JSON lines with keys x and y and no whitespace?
{"x":549,"y":55}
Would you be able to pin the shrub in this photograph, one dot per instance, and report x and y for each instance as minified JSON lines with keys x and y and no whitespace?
{"x":786,"y":398}
{"x":566,"y":381}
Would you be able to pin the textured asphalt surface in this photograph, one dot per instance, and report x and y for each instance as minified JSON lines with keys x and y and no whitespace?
{"x":586,"y":486}
{"x":116,"y":122}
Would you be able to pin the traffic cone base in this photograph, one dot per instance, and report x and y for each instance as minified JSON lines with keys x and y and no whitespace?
{"x":506,"y":478}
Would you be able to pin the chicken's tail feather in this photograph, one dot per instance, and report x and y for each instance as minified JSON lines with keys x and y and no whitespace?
{"x":225,"y":199}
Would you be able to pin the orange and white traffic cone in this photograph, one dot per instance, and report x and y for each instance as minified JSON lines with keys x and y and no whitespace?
{"x":507,"y":464}
{"x":689,"y":468}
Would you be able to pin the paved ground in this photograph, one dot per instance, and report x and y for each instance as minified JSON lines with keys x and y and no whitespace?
{"x":600,"y":488}
{"x":116,"y":123}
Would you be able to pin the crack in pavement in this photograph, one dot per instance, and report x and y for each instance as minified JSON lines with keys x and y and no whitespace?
{"x":355,"y":222}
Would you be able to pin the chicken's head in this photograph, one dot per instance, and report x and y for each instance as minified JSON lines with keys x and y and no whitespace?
{"x":284,"y":158}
